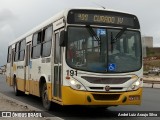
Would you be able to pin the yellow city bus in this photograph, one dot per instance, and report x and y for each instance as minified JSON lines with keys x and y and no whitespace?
{"x":80,"y":57}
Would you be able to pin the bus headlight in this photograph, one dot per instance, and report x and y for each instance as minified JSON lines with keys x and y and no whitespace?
{"x":135,"y":85}
{"x":76,"y":84}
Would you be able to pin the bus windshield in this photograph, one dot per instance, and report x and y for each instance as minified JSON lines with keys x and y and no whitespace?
{"x":103,"y":50}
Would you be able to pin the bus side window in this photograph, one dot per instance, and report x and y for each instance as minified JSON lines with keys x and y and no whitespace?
{"x":22,"y":49}
{"x":36,"y":45}
{"x":47,"y":42}
{"x":16,"y":52}
{"x":57,"y":50}
{"x":9,"y":54}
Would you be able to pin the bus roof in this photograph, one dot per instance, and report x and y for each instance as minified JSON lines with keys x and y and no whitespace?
{"x":57,"y":17}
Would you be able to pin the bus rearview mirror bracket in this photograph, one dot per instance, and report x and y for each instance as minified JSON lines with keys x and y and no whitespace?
{"x":63,"y":38}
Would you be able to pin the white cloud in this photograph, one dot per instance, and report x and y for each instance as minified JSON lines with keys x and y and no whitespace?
{"x":6,"y":14}
{"x":6,"y":35}
{"x":7,"y":18}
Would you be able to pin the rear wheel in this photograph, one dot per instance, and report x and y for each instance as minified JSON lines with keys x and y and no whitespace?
{"x":16,"y":91}
{"x":47,"y":104}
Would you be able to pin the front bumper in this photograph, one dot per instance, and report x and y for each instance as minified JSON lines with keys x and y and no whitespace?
{"x":74,"y":97}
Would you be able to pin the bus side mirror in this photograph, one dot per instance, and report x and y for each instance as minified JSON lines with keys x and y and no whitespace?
{"x":63,"y":38}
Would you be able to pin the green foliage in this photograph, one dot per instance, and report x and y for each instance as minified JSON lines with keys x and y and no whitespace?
{"x":151,"y":64}
{"x":152,"y":52}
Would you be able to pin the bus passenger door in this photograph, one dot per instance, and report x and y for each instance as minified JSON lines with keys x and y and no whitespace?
{"x":57,"y":68}
{"x":27,"y":67}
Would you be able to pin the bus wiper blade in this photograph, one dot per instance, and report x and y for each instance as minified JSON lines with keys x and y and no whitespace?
{"x":118,"y":35}
{"x":91,"y":31}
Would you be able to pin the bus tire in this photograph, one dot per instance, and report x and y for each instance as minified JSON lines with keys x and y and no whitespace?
{"x":47,"y":104}
{"x":16,"y":91}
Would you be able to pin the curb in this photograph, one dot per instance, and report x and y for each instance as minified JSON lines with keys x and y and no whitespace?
{"x":47,"y":116}
{"x":150,"y":85}
{"x":20,"y":103}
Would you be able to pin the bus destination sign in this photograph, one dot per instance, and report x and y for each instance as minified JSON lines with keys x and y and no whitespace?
{"x":103,"y":18}
{"x":108,"y":19}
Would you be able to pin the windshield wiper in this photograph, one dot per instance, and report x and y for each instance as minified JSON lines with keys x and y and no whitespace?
{"x":119,"y":34}
{"x":91,"y":31}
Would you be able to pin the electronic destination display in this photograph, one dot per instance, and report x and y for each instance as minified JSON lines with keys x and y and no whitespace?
{"x":104,"y":18}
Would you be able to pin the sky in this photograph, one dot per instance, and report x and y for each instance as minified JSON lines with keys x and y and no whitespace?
{"x":19,"y":16}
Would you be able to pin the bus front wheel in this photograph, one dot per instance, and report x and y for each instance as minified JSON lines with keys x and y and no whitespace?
{"x":47,"y":104}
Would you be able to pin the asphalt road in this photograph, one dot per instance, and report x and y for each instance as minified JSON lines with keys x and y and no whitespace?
{"x":150,"y":104}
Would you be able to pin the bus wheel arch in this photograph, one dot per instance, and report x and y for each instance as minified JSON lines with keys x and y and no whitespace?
{"x":47,"y":104}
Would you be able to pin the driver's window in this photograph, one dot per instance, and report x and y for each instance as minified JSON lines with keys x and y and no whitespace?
{"x":127,"y":45}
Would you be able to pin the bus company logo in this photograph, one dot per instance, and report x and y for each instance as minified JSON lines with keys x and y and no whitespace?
{"x":107,"y":88}
{"x":6,"y":114}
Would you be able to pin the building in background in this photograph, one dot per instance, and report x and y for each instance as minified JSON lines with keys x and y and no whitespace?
{"x":147,"y":43}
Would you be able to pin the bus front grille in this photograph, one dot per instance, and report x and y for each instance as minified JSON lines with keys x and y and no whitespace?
{"x":101,"y":88}
{"x":106,"y":96}
{"x":99,"y":80}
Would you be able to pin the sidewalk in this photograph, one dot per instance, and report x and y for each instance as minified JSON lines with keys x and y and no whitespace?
{"x":9,"y":104}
